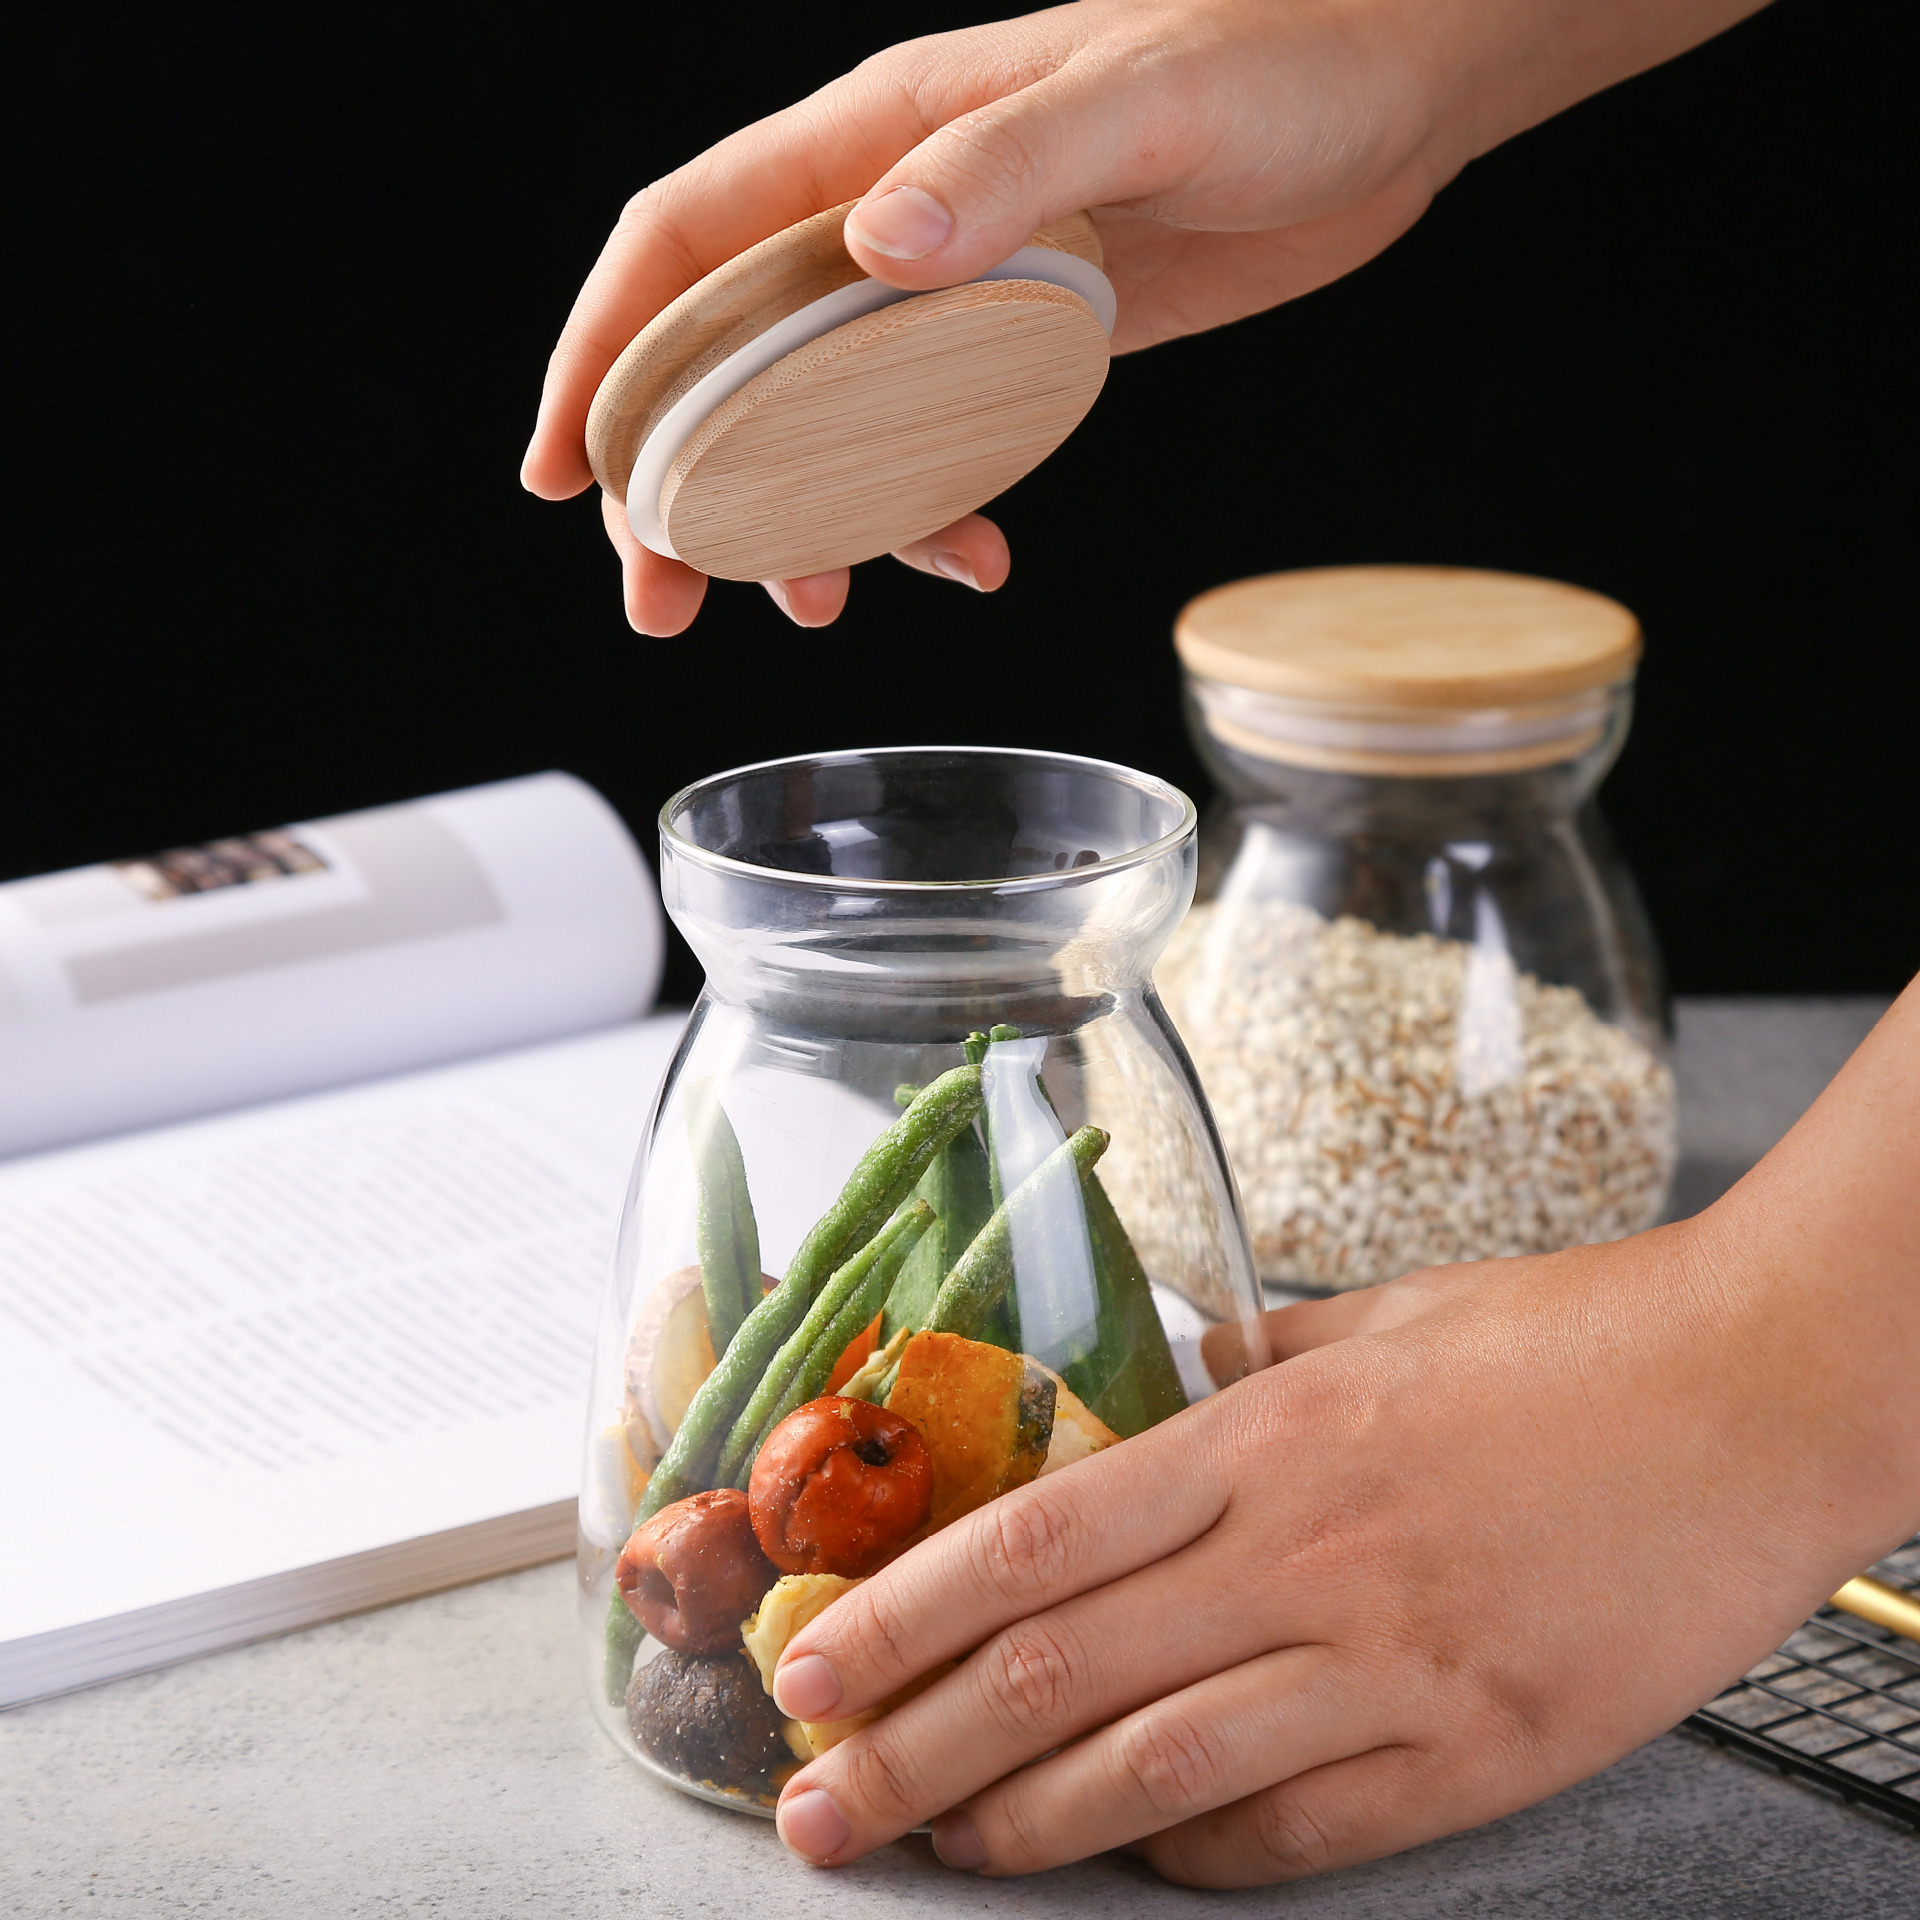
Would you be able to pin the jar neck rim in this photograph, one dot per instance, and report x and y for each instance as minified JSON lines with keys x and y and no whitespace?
{"x":680,"y":846}
{"x":1403,"y":739}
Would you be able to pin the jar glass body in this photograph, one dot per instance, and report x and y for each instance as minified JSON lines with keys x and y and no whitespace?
{"x":1427,"y":1008}
{"x":859,"y":917}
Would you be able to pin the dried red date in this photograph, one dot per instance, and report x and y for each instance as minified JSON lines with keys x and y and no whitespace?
{"x":839,"y":1487}
{"x":693,"y":1572}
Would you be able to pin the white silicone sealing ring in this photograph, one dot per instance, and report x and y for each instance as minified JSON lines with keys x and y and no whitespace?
{"x":662,"y":446}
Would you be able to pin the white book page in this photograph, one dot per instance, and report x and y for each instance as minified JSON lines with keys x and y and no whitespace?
{"x":317,"y":955}
{"x":264,"y":1341}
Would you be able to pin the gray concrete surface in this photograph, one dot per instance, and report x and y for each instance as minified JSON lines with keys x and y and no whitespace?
{"x":437,"y":1759}
{"x":1747,"y":1069}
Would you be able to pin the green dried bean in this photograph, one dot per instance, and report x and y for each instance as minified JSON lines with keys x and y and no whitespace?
{"x":811,"y":1380}
{"x":888,"y":1171}
{"x":983,"y":1273}
{"x":1129,"y":1378}
{"x":957,"y":1189}
{"x":624,"y":1634}
{"x":725,"y":1232}
{"x":877,"y":1262}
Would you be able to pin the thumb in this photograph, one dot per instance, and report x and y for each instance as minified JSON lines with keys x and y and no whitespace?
{"x":1236,"y":1348}
{"x":983,"y":184}
{"x":1232,"y":1349}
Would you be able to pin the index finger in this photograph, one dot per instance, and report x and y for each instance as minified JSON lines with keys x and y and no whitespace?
{"x":1027,"y":1550}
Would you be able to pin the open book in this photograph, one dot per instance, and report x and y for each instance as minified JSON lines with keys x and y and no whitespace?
{"x":316,"y":1144}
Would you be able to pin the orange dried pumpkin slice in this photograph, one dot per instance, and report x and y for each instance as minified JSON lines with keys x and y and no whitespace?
{"x":985,"y":1414}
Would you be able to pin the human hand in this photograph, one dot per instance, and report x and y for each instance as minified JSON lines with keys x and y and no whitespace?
{"x":1239,"y":153}
{"x":1485,"y":1530}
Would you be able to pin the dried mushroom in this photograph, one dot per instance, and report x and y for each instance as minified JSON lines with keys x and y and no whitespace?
{"x":707,"y":1717}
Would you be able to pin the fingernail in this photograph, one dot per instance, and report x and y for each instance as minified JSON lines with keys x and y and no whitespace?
{"x":805,"y":1689}
{"x":957,"y":1841}
{"x":778,"y":589}
{"x":950,"y":566}
{"x":904,"y":224}
{"x":811,"y":1825}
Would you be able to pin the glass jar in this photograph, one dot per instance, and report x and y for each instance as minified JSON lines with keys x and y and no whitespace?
{"x":1419,"y":987}
{"x":927,"y":1043}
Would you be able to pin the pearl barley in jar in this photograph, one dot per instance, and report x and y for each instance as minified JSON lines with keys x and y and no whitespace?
{"x":1419,"y":987}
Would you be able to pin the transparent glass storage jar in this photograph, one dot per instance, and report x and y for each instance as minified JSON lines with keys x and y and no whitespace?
{"x":871,"y":1273}
{"x":1419,"y":986}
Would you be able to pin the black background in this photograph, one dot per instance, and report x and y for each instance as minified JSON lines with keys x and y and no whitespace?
{"x":291,"y":274}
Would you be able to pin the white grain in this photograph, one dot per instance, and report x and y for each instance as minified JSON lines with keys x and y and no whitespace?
{"x":1391,"y":1102}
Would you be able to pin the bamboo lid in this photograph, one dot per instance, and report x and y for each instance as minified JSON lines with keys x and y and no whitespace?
{"x":787,"y":415}
{"x":1447,"y":638}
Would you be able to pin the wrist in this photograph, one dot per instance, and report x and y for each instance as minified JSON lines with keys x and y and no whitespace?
{"x":1821,"y":1331}
{"x":1498,"y":70}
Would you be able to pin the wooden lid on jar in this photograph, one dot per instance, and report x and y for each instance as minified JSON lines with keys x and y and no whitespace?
{"x":1428,"y":637}
{"x":788,"y":415}
{"x":1430,"y":672}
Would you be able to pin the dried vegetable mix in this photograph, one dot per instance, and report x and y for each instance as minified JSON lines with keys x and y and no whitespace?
{"x":974,"y":1214}
{"x":888,"y":1172}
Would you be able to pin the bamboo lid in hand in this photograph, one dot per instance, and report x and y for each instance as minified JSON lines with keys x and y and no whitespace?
{"x":788,"y":415}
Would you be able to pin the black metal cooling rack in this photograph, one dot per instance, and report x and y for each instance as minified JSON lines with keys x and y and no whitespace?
{"x":1839,"y":1704}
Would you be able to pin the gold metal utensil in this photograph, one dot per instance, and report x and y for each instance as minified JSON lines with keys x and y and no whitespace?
{"x":1869,"y":1599}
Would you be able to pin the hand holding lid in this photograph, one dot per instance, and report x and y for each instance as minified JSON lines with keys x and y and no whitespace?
{"x":788,"y":414}
{"x":1241,"y":155}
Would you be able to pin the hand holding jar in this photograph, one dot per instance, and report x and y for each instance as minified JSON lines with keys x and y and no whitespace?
{"x":1410,"y":1579}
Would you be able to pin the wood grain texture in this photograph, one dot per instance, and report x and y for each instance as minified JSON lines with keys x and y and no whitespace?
{"x":726,"y":310}
{"x":1076,"y":234}
{"x":884,"y":430}
{"x":1439,"y":637}
{"x":715,"y":317}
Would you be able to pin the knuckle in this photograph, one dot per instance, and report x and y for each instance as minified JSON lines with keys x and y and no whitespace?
{"x":1031,"y":1678}
{"x":654,"y":216}
{"x":1016,"y":1838}
{"x":904,"y":66}
{"x":901,"y":86}
{"x":1292,"y":1841}
{"x":1027,"y":1547}
{"x":997,"y":149}
{"x":1172,"y":1762}
{"x":877,"y":1777}
{"x":1178,"y":1854}
{"x":640,"y":207}
{"x":1512,"y":1716}
{"x":1307,"y":1408}
{"x":875,"y":1638}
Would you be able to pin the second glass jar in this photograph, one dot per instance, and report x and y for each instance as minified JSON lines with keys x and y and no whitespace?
{"x":1418,"y":985}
